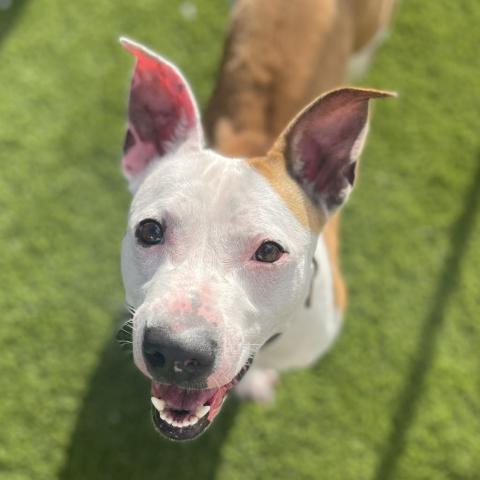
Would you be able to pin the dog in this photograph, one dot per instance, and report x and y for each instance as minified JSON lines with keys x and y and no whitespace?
{"x":229,"y":262}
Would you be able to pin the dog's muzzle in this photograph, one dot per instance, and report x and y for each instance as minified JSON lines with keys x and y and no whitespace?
{"x":180,"y":363}
{"x":184,"y":414}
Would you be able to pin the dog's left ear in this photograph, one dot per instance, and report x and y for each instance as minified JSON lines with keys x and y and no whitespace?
{"x":323,"y":143}
{"x":162,"y":112}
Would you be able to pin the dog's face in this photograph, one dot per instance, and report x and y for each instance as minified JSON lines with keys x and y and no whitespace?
{"x":218,"y":251}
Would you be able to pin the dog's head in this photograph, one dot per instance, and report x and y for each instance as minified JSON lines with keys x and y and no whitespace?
{"x":218,"y":251}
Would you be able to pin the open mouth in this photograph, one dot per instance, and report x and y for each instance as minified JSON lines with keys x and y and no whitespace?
{"x":182,"y":414}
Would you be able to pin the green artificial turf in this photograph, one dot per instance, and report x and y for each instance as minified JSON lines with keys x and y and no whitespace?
{"x":399,"y":395}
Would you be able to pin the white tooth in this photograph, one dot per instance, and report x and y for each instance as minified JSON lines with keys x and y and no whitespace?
{"x":158,"y":403}
{"x":202,"y":411}
{"x":164,"y":416}
{"x":191,"y":420}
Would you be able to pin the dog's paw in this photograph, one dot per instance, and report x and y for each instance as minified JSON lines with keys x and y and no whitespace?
{"x":258,"y":385}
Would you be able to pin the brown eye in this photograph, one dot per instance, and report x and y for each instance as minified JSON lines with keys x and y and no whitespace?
{"x":149,"y":232}
{"x":269,"y":252}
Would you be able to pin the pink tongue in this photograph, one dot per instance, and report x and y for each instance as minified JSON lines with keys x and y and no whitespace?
{"x":181,"y":399}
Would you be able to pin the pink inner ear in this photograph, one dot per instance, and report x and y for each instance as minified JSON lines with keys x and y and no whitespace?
{"x":321,"y":146}
{"x":137,"y":153}
{"x":327,"y":145}
{"x":161,"y":110}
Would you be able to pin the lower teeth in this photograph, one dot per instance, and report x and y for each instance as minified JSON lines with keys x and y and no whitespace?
{"x":165,"y":415}
{"x":187,"y":422}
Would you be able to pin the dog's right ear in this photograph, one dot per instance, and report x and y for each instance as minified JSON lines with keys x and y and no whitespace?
{"x":162,"y":113}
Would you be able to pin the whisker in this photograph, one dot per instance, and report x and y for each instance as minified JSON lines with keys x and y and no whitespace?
{"x":127,"y":327}
{"x":124,"y":335}
{"x":131,"y":309}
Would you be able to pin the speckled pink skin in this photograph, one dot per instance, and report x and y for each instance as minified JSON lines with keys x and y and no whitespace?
{"x":203,"y":307}
{"x":183,"y":312}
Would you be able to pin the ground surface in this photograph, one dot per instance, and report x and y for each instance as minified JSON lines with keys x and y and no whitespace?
{"x":398,"y":397}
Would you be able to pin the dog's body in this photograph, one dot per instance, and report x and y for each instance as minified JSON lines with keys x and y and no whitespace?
{"x":279,"y":56}
{"x":231,"y":260}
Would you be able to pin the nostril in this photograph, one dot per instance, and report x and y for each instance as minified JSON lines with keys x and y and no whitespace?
{"x":192,"y":365}
{"x":156,"y":358}
{"x":189,"y":366}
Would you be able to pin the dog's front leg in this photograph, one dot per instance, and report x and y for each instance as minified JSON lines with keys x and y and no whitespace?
{"x":258,"y":385}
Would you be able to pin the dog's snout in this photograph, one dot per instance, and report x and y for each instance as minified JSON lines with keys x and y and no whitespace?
{"x":182,"y":359}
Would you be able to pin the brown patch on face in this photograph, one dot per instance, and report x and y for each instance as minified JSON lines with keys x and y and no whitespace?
{"x":331,"y":236}
{"x":273,"y":168}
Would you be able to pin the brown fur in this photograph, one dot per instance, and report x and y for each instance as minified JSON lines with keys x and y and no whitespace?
{"x":330,"y":233}
{"x":280,"y":55}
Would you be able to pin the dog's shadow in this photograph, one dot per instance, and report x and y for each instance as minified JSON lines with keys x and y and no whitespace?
{"x":114,"y":437}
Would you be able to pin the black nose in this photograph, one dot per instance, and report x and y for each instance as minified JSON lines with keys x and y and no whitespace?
{"x":183,"y":359}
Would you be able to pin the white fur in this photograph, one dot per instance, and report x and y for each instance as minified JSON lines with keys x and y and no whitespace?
{"x":219,"y":210}
{"x":312,"y":329}
{"x":310,"y":334}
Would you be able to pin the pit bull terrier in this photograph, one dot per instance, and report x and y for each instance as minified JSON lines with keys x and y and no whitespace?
{"x":224,"y":263}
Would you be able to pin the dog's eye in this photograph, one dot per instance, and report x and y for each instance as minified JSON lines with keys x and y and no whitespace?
{"x":149,"y":232}
{"x":269,"y":252}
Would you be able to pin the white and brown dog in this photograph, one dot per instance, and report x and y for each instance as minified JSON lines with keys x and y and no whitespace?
{"x":225,"y":265}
